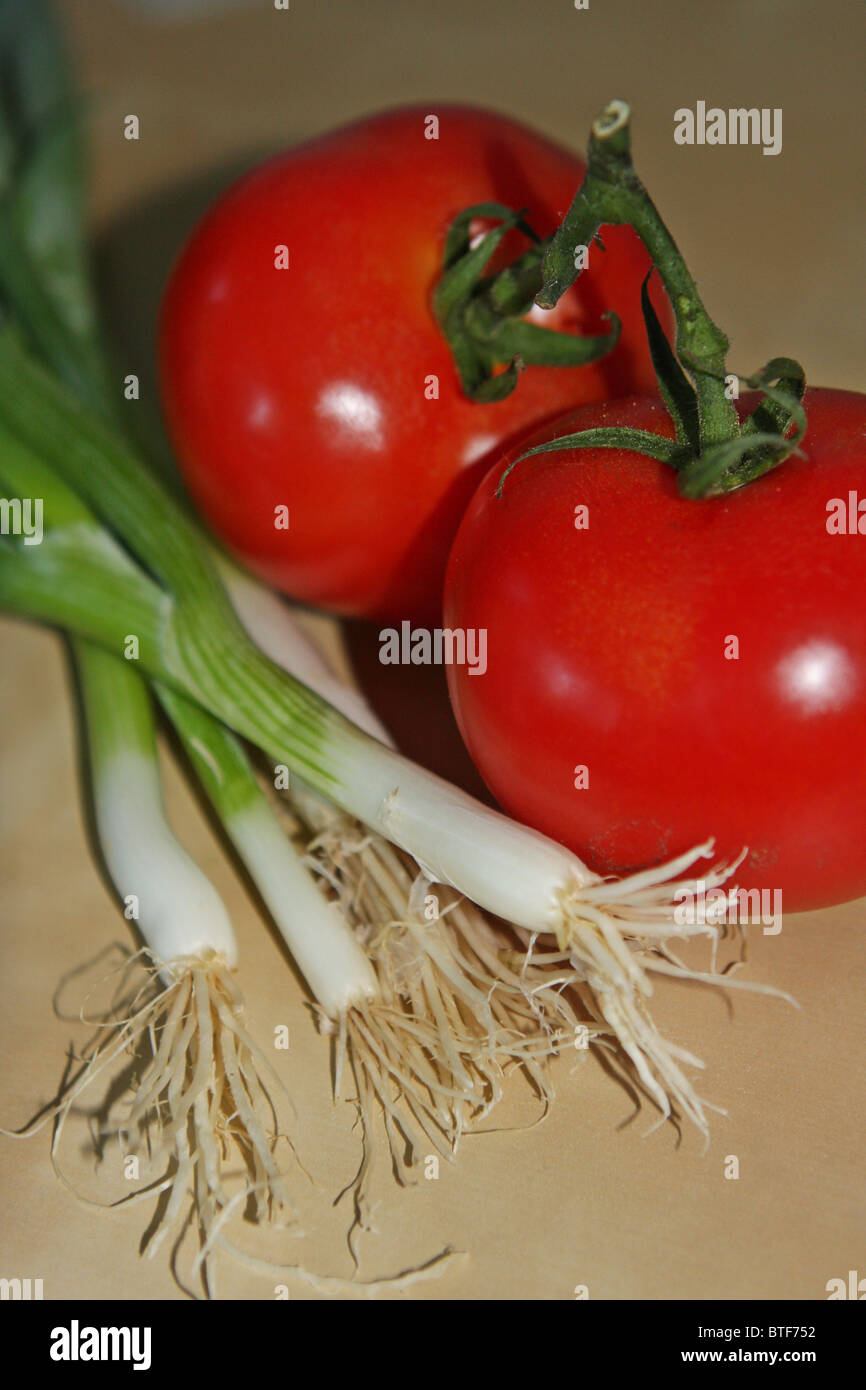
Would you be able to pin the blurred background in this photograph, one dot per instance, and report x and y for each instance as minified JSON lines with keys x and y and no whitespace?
{"x":774,"y":241}
{"x":776,"y":244}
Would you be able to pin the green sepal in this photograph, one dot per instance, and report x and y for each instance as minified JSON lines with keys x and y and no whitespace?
{"x":676,"y":390}
{"x":545,"y":347}
{"x":463,"y":275}
{"x":475,"y":367}
{"x":767,"y":437}
{"x":483,"y":320}
{"x":782,"y":403}
{"x":457,"y":241}
{"x":450,"y":299}
{"x":655,"y":446}
{"x":725,"y":467}
{"x":511,"y":290}
{"x":496,"y":388}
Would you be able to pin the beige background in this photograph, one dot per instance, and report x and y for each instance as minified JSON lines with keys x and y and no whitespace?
{"x":777,"y":246}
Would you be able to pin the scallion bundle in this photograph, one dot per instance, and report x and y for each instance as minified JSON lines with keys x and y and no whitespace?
{"x":429,"y":1001}
{"x":190,"y":639}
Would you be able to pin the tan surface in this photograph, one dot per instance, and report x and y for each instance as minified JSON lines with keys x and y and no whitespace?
{"x":776,"y":244}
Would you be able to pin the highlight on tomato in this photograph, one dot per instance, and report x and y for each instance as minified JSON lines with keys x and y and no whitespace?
{"x":307,"y":378}
{"x":660,"y":669}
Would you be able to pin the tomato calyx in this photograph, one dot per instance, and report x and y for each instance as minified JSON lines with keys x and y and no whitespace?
{"x":482,"y":316}
{"x":713,"y":452}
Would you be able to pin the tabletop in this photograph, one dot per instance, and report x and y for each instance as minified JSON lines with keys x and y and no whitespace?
{"x":588,"y":1199}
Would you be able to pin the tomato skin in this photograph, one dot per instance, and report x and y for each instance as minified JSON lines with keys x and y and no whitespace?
{"x":606,"y":648}
{"x":306,"y":387}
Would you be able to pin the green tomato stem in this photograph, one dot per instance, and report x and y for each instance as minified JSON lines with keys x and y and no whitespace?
{"x":612,"y":195}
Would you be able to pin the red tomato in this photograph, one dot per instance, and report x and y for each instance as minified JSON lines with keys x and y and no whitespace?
{"x":705,"y":661}
{"x":308,"y":387}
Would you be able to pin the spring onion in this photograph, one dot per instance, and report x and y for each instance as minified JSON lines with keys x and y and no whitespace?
{"x":199,"y":1092}
{"x":462,"y":1001}
{"x":359,"y":862}
{"x":45,"y":282}
{"x":452,"y":974}
{"x":190,"y":638}
{"x":429,"y":1067}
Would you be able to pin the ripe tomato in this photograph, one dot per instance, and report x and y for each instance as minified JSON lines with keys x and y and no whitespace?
{"x":309,"y":387}
{"x":704,"y":661}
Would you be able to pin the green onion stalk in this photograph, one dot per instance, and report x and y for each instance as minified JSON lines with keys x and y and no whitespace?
{"x":427,"y":1014}
{"x":201,"y":1089}
{"x":428,"y":1041}
{"x":190,"y":639}
{"x":462,"y":997}
{"x":200,"y":1086}
{"x":431,"y":1012}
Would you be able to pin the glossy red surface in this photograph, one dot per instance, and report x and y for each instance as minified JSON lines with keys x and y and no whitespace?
{"x":305,"y":387}
{"x":607,"y":648}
